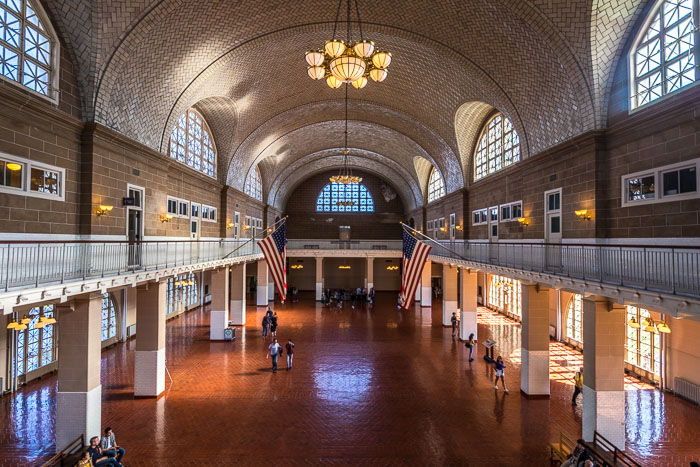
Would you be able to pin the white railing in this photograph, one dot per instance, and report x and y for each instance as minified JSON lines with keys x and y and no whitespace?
{"x":344,"y":245}
{"x":30,"y":264}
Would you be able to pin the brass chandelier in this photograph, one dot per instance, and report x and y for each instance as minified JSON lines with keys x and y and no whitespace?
{"x":345,"y":176}
{"x":347,"y":61}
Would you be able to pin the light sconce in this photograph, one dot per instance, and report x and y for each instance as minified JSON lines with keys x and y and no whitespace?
{"x":12,"y":324}
{"x":523,"y":221}
{"x":297,"y":266}
{"x":47,"y":320}
{"x":633,"y":323}
{"x":443,"y":229}
{"x":177,"y":282}
{"x":583,"y":214}
{"x":190,"y":282}
{"x":166,"y":217}
{"x":392,"y":268}
{"x":343,"y":267}
{"x":269,"y":230}
{"x":230,"y":225}
{"x":458,"y":227}
{"x":246,"y":227}
{"x":663,"y":327}
{"x":17,"y":325}
{"x":103,"y":209}
{"x":13,"y":166}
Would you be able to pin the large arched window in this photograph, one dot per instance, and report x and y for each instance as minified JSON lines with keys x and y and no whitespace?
{"x":35,"y":345}
{"x":663,"y":59}
{"x":436,"y":186}
{"x":109,"y":317}
{"x":337,"y":197}
{"x":505,"y":295}
{"x":181,"y":292}
{"x":191,"y":143}
{"x":27,"y":47}
{"x":253,"y":184}
{"x":643,"y":347}
{"x":499,"y":147}
{"x":574,"y":318}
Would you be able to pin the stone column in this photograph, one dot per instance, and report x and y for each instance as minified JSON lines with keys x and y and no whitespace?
{"x":604,"y":370}
{"x":237,"y":316}
{"x":319,"y":278}
{"x":149,"y":364}
{"x":370,"y":273}
{"x":467,"y":306}
{"x":79,"y":397}
{"x":271,"y":290}
{"x":219,"y":303}
{"x":534,"y":370}
{"x":449,"y":293}
{"x":262,"y":290}
{"x":426,"y":285}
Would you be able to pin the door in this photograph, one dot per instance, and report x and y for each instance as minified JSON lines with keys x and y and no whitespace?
{"x":134,"y":225}
{"x":493,"y":234}
{"x":552,"y":231}
{"x":195,"y":224}
{"x":453,"y":228}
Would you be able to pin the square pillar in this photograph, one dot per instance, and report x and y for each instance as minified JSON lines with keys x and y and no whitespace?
{"x":604,"y":370}
{"x":149,"y":363}
{"x":319,"y":278}
{"x":449,"y":293}
{"x":534,"y":370}
{"x":237,"y":316}
{"x":370,"y":274}
{"x":79,"y":397}
{"x":262,"y":290}
{"x":219,"y":303}
{"x":426,"y":285}
{"x":271,"y":290}
{"x":467,"y":306}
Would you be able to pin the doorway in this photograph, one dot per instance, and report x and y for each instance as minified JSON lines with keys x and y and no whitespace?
{"x":493,"y":234}
{"x":195,"y":224}
{"x":552,"y":231}
{"x":134,"y":224}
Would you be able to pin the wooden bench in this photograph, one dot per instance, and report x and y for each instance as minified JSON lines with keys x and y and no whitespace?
{"x":560,"y":451}
{"x":70,"y":455}
{"x":602,"y":451}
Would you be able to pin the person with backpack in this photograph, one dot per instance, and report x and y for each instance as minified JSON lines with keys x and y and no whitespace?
{"x":578,"y":385}
{"x":290,"y":353}
{"x":500,"y":373}
{"x":273,"y":324}
{"x":274,"y":351}
{"x":470,"y":344}
{"x":265,"y":325}
{"x":454,"y":323}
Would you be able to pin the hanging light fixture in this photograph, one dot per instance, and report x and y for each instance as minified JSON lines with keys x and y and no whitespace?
{"x":663,"y":327}
{"x":12,"y":324}
{"x":26,"y":320}
{"x":345,"y":176}
{"x":633,"y":323}
{"x":347,"y":61}
{"x":649,"y":325}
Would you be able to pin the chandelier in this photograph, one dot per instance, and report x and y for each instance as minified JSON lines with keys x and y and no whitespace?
{"x":345,"y":176}
{"x":347,"y":61}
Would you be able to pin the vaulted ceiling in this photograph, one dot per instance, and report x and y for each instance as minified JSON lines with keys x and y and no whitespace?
{"x":547,"y":64}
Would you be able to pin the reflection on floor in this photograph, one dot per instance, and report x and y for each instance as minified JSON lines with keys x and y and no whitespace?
{"x":369,"y":387}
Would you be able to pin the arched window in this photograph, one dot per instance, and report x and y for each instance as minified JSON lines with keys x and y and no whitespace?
{"x":436,"y":186}
{"x":663,"y":59}
{"x":574,"y":318}
{"x":109,"y":317}
{"x":499,"y":147}
{"x":191,"y":143}
{"x":27,"y":47}
{"x":337,"y":197}
{"x":181,"y":292}
{"x":35,"y":345}
{"x":643,"y":347}
{"x":253,"y":184}
{"x":505,"y":295}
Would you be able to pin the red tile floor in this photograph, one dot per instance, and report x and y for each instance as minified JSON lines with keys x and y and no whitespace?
{"x":369,"y":387}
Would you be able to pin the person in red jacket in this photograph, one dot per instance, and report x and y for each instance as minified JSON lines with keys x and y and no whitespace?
{"x":290,"y":353}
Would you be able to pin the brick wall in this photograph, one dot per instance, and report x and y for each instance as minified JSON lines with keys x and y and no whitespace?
{"x":305,"y":222}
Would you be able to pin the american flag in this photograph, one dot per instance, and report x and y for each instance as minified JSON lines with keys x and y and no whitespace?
{"x":274,"y":249}
{"x":414,"y":255}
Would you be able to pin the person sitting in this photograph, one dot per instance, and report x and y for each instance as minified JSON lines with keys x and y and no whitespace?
{"x":578,"y":456}
{"x":98,"y":457}
{"x":109,"y":444}
{"x":85,"y":460}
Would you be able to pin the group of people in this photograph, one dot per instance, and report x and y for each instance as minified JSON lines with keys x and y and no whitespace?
{"x":499,"y":364}
{"x":336,"y":297}
{"x":269,"y":323}
{"x":103,"y":451}
{"x":275,"y":350}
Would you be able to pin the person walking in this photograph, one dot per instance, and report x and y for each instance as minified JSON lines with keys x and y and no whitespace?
{"x":290,"y":353}
{"x":371,"y":296}
{"x":454,"y":323}
{"x":500,"y":373}
{"x":471,"y":343}
{"x":273,"y":324}
{"x":400,"y":301}
{"x":578,"y":385}
{"x":265,"y":325}
{"x":274,"y":351}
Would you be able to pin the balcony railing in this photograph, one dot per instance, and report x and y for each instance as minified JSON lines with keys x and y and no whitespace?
{"x":30,"y":264}
{"x":344,"y":245}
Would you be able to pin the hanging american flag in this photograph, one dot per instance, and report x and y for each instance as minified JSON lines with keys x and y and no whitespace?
{"x":274,"y":250}
{"x":414,"y":255}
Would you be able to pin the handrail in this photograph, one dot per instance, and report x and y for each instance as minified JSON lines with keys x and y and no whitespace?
{"x":619,"y":456}
{"x":56,"y":460}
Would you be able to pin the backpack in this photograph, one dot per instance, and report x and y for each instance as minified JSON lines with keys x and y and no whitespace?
{"x":468,"y":344}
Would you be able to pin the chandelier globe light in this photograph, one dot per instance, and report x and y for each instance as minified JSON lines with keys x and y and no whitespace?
{"x":348,"y":61}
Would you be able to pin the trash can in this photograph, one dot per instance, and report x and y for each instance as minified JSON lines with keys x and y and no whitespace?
{"x":229,"y":334}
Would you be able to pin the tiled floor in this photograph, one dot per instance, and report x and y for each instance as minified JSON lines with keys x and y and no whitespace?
{"x":369,"y":387}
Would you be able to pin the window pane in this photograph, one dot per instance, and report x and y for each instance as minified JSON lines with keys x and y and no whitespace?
{"x":12,"y":174}
{"x":688,"y":180}
{"x":44,"y":181}
{"x":498,"y":147}
{"x":640,"y":188}
{"x":555,"y":224}
{"x":517,"y":211}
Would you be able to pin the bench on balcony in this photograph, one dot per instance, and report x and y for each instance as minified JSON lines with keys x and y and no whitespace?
{"x":601,"y":450}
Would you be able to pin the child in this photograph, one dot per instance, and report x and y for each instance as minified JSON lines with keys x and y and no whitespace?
{"x":500,"y":373}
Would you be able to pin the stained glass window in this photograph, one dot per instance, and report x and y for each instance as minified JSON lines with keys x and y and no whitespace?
{"x":574,"y":318}
{"x":191,"y":143}
{"x":181,"y":292}
{"x":643,"y":347}
{"x":355,"y":193}
{"x":253,"y":185}
{"x":109,"y":317}
{"x":436,"y":186}
{"x":26,"y":46}
{"x":664,"y":59}
{"x":35,"y":345}
{"x":505,"y":294}
{"x":499,"y":147}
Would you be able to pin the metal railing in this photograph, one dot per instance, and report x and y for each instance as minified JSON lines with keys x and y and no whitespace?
{"x":30,"y":264}
{"x":344,"y":245}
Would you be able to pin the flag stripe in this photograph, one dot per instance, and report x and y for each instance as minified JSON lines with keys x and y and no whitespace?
{"x":274,"y":250}
{"x":414,"y":255}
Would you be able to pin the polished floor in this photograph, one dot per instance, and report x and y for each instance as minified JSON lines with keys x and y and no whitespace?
{"x":369,"y":387}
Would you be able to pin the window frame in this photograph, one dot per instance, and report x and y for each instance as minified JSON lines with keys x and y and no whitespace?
{"x":187,"y":146}
{"x":251,"y":190}
{"x":657,"y":173}
{"x":436,"y":185}
{"x":511,"y":217}
{"x":27,"y":166}
{"x":210,"y":213}
{"x":516,"y":147}
{"x":576,"y":324}
{"x":333,"y":192}
{"x":172,"y":199}
{"x":654,"y":345}
{"x":24,"y":335}
{"x":111,"y":306}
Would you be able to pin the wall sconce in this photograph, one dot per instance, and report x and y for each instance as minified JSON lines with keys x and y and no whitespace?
{"x":443,"y":229}
{"x":246,"y":227}
{"x":191,"y":282}
{"x":458,"y":227}
{"x":583,"y":214}
{"x":297,"y":266}
{"x":633,"y":323}
{"x":523,"y":221}
{"x":230,"y":225}
{"x":343,"y":267}
{"x":392,"y":268}
{"x":166,"y":217}
{"x":103,"y":209}
{"x":177,"y":282}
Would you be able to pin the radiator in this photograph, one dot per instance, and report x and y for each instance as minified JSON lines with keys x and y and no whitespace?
{"x":130,"y":330}
{"x":687,"y":390}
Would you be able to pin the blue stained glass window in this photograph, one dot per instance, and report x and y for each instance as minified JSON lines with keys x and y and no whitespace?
{"x":335,"y":193}
{"x":35,"y":345}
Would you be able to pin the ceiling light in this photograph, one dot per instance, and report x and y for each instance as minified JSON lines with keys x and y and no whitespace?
{"x":13,"y":166}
